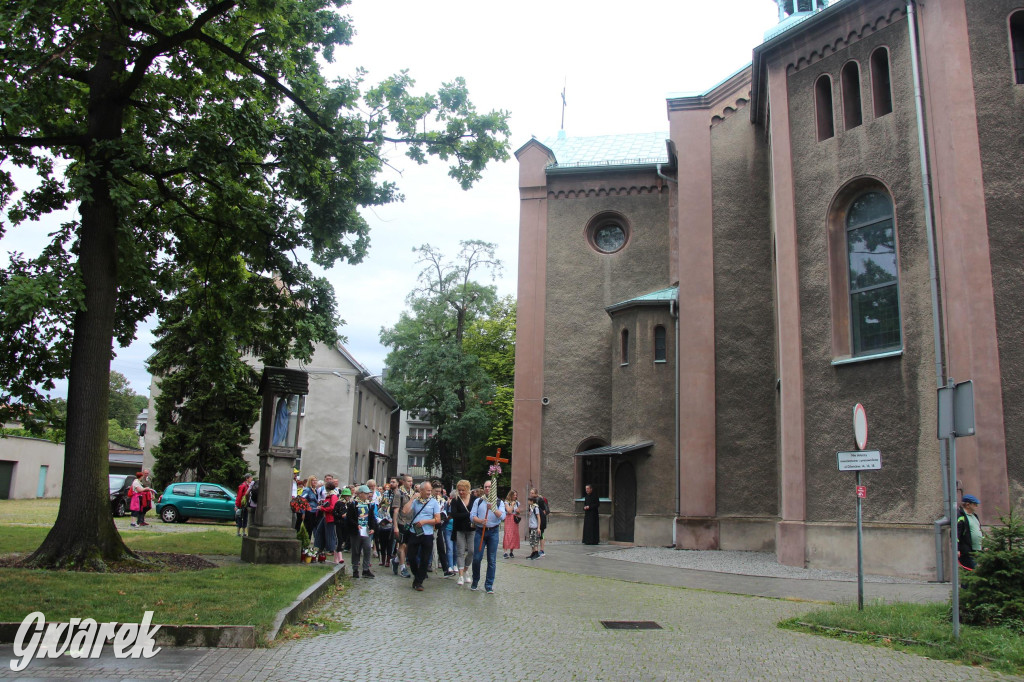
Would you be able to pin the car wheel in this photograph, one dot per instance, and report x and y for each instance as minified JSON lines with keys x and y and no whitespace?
{"x":120,"y":508}
{"x":169,"y":514}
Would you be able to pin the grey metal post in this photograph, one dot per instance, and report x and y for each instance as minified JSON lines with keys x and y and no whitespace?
{"x":860,"y":550}
{"x":955,"y":571}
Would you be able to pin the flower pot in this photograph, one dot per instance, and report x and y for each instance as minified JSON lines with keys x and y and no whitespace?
{"x":307,"y":559}
{"x":322,"y":558}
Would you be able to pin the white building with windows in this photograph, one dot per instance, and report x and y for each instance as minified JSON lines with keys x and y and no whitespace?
{"x":415,"y":430}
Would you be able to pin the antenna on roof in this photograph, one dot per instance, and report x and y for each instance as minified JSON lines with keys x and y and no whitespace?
{"x":563,"y":104}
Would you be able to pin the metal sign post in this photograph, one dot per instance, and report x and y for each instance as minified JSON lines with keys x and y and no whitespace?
{"x":857,"y":461}
{"x":956,"y":419}
{"x":860,"y":547}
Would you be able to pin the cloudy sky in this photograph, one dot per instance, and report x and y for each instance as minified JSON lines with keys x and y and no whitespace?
{"x":617,"y":66}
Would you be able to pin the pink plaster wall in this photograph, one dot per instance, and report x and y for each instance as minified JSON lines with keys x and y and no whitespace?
{"x":690,"y":130}
{"x":790,"y":538}
{"x":962,"y":232}
{"x":529,"y":373}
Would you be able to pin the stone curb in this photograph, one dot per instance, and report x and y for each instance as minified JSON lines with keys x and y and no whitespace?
{"x":217,"y":636}
{"x":304,"y":602}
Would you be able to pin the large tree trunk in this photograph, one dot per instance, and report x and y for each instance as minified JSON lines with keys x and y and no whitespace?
{"x":84,"y":535}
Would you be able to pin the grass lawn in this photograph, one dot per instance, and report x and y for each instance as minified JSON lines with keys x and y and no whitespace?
{"x":31,"y":512}
{"x":242,"y":594}
{"x":212,"y":541}
{"x":237,"y":594}
{"x":923,"y":629}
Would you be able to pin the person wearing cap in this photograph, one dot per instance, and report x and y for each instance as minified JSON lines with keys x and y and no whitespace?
{"x":362,"y":525}
{"x":341,"y":524}
{"x":968,"y":531}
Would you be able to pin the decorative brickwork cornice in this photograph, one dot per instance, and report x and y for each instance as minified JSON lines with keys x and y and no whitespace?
{"x":833,"y":45}
{"x":590,"y":192}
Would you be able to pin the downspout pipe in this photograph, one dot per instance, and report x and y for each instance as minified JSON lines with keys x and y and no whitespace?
{"x":933,"y":270}
{"x":673,"y":310}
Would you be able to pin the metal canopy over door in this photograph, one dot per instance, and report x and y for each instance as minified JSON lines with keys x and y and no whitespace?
{"x":624,"y":502}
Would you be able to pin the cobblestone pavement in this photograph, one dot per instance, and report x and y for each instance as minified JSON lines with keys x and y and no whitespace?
{"x":547,"y":622}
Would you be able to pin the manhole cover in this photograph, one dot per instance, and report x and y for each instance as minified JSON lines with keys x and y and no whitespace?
{"x":630,"y":625}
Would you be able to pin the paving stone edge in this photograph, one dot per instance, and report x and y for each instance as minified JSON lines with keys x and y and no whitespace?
{"x":304,"y":602}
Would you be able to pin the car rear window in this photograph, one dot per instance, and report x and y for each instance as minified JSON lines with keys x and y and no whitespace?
{"x":184,"y":490}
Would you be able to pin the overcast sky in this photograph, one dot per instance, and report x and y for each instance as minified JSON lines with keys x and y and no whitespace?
{"x":617,"y":61}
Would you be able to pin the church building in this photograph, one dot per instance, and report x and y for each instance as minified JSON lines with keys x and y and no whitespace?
{"x":699,"y":310}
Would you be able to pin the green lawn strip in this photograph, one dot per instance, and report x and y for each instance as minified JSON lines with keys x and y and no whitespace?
{"x":199,"y":542}
{"x":922,"y":629}
{"x":213,"y":541}
{"x":40,"y":511}
{"x":243,"y":594}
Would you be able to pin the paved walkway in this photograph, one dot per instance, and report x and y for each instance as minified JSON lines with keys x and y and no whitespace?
{"x":581,"y":559}
{"x":546,"y":618}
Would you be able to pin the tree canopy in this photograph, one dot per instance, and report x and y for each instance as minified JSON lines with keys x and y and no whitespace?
{"x":429,"y":366}
{"x":204,"y":149}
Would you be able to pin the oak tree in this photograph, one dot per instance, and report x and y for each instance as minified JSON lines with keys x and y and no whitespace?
{"x":185,"y":133}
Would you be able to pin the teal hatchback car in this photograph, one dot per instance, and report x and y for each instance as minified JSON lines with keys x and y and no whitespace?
{"x":182,"y":501}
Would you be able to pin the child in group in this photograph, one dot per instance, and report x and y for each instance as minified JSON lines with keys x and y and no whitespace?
{"x":533,"y":524}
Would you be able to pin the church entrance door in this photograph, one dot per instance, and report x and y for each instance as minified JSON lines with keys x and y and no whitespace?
{"x":624,"y":506}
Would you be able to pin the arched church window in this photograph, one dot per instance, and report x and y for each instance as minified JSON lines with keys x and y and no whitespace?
{"x":873,"y":274}
{"x":823,"y":107}
{"x":659,"y":344}
{"x":1017,"y":45}
{"x":624,"y":347}
{"x":850,"y":80}
{"x":881,"y":82}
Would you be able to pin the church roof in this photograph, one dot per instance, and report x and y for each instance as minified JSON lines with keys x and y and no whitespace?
{"x":634,"y":149}
{"x":659,"y":297}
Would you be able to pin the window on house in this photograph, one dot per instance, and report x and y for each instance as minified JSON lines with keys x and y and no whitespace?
{"x":1017,"y":46}
{"x":873,"y":274}
{"x":359,"y":408}
{"x":595,"y":471}
{"x":881,"y":83}
{"x":823,"y":107}
{"x":624,"y":347}
{"x":850,"y":79}
{"x":659,"y":344}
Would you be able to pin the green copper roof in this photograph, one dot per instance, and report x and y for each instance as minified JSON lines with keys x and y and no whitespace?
{"x":659,"y":297}
{"x":637,"y":149}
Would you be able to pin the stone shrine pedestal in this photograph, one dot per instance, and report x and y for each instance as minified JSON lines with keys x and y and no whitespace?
{"x":271,"y":538}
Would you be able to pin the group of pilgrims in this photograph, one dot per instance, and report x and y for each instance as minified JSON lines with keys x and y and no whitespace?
{"x":415,"y":530}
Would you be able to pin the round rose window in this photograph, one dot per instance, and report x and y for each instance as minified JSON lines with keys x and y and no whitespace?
{"x":608,"y":233}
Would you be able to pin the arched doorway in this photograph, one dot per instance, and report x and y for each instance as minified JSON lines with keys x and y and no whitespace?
{"x":624,"y":504}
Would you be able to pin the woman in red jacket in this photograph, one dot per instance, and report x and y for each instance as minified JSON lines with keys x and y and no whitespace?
{"x":241,"y":506}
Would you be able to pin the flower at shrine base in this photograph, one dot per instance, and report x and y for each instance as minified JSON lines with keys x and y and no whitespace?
{"x":494,"y":470}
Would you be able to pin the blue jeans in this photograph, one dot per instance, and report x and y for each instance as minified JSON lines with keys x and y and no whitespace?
{"x":449,"y":545}
{"x":491,"y":542}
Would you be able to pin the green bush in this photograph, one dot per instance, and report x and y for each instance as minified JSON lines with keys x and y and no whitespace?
{"x":993,"y":594}
{"x":303,"y":536}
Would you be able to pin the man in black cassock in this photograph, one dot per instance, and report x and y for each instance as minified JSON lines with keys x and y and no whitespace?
{"x":591,"y":528}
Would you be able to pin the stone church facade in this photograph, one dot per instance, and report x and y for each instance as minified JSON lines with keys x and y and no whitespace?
{"x":700,"y":310}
